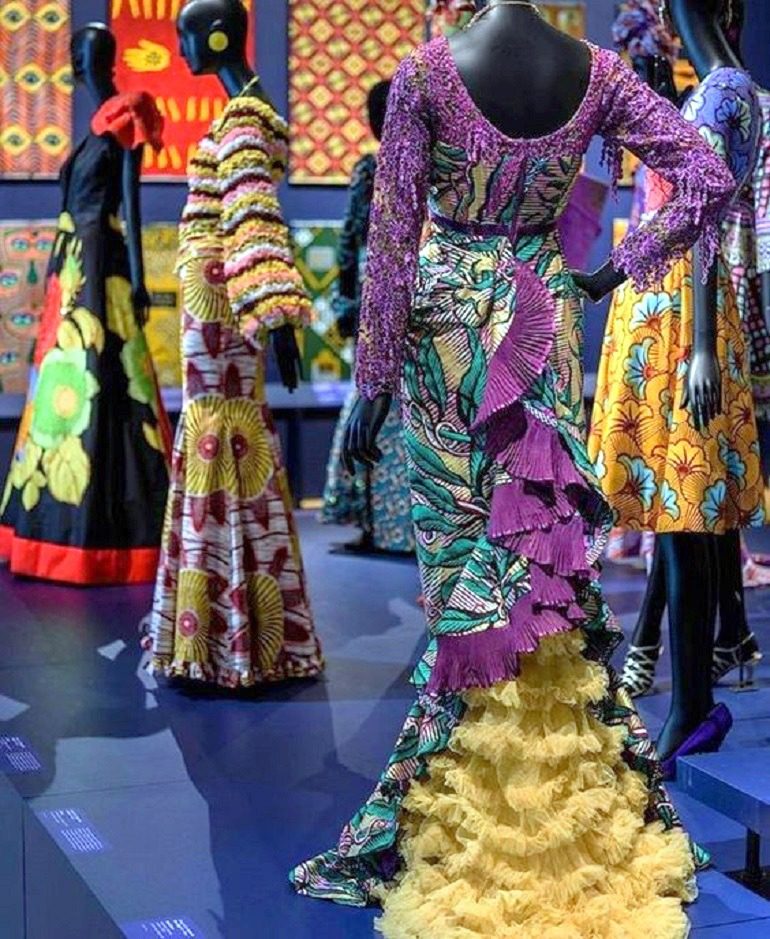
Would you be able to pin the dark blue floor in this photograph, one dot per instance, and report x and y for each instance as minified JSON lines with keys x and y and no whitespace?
{"x":202,"y":802}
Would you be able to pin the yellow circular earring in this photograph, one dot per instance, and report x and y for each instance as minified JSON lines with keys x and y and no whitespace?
{"x":218,"y":41}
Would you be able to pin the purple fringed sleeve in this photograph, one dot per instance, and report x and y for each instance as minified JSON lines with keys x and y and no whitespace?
{"x":398,"y":210}
{"x":650,"y":127}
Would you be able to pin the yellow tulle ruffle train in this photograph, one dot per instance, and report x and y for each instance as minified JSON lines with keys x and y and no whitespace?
{"x":531,"y":826}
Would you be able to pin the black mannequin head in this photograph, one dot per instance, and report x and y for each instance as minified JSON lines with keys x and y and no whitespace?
{"x":212,"y":34}
{"x":93,"y":51}
{"x":701,"y":24}
{"x":376,"y":105}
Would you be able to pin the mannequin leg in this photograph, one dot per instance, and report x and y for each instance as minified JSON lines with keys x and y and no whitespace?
{"x":733,"y":626}
{"x":643,"y":652}
{"x":691,"y":573}
{"x":648,"y":626}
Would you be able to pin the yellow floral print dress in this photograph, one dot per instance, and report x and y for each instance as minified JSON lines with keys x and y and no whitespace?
{"x":657,"y":471}
{"x":231,"y":604}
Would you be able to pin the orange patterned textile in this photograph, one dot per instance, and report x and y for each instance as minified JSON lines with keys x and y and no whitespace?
{"x":149,"y":60}
{"x":567,"y":16}
{"x":338,"y":49}
{"x":35,"y":87}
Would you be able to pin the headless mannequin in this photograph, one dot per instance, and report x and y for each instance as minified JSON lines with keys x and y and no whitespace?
{"x":224,"y":55}
{"x":510,"y":47}
{"x":93,"y":51}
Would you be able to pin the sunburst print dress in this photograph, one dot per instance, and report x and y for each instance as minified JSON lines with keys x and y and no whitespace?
{"x":231,"y":604}
{"x":657,"y":471}
{"x":523,"y":797}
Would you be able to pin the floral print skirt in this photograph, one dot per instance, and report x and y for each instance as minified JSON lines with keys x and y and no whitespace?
{"x":656,"y":470}
{"x":84,"y":497}
{"x":231,"y":605}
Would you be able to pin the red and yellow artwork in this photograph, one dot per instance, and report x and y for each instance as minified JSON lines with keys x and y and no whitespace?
{"x":149,"y":60}
{"x":338,"y":49}
{"x":35,"y":87}
{"x":25,"y":248}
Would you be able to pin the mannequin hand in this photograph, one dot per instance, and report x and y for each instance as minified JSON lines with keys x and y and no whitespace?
{"x":361,"y":430}
{"x":702,"y":394}
{"x":140,"y":299}
{"x":287,"y":356}
{"x":588,"y":285}
{"x":597,"y":285}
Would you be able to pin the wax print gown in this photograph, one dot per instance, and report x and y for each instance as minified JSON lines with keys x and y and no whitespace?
{"x":231,"y":604}
{"x":657,"y":470}
{"x":523,"y":794}
{"x":377,"y":500}
{"x":84,"y":497}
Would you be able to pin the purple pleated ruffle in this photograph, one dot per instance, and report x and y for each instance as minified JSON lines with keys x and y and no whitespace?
{"x":545,"y":513}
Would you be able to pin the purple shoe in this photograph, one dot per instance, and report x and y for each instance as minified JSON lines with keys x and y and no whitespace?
{"x":706,"y":738}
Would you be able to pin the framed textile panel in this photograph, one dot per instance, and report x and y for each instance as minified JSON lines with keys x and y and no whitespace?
{"x":325,"y":356}
{"x":338,"y":49}
{"x":149,"y":60}
{"x":35,"y":87}
{"x":25,"y":248}
{"x":567,"y":16}
{"x":160,"y":243}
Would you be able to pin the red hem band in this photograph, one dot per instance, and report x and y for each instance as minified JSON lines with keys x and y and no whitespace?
{"x":83,"y":566}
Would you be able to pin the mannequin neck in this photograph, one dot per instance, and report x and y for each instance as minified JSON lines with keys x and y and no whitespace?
{"x":100,"y":87}
{"x":703,"y":40}
{"x":235,"y":76}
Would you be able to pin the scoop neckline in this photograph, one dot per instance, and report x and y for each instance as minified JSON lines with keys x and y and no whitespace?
{"x":480,"y":116}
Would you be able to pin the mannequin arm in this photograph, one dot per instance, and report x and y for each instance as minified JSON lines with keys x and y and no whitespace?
{"x":702,"y":394}
{"x":132,"y":165}
{"x":601,"y":282}
{"x":361,"y":430}
{"x":765,"y":283}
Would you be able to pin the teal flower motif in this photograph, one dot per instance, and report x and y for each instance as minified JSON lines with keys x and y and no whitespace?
{"x":732,"y":460}
{"x":638,"y":370}
{"x":713,"y":505}
{"x":669,"y":500}
{"x":600,"y":465}
{"x":755,"y":519}
{"x":641,"y":480}
{"x":650,"y":309}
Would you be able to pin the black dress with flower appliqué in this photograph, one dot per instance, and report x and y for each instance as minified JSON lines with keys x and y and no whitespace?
{"x":84,"y":497}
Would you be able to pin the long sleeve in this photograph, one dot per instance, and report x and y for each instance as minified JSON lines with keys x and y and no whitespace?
{"x":263,"y":284}
{"x":356,"y":225}
{"x":398,"y":210}
{"x":702,"y":186}
{"x":762,"y":188}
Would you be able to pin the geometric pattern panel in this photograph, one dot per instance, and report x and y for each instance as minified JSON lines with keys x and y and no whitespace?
{"x":25,"y":248}
{"x":338,"y":49}
{"x":149,"y":60}
{"x":160,"y":243}
{"x":35,"y":87}
{"x":326,"y":356}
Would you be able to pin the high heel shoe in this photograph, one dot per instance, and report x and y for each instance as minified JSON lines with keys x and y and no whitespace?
{"x":639,"y":669}
{"x":744,"y":656}
{"x":706,"y":738}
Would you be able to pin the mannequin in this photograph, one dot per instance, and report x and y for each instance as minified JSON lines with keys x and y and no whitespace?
{"x":84,"y":498}
{"x":692,"y":562}
{"x":472,"y":826}
{"x":531,"y":49}
{"x":197,"y":22}
{"x":93,"y":63}
{"x":232,"y":607}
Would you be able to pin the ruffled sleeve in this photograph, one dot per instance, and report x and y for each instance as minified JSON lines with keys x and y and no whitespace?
{"x":641,"y":121}
{"x":132,"y":119}
{"x":398,"y":209}
{"x":762,"y":188}
{"x":263,"y":284}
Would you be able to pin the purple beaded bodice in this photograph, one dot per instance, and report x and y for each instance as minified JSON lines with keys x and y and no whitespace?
{"x":440,"y":156}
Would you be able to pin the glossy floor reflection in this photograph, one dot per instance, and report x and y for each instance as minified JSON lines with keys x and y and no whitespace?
{"x":198,"y":803}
